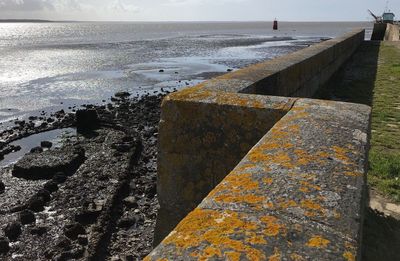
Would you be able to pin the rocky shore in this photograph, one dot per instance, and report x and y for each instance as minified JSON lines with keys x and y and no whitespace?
{"x":94,"y":197}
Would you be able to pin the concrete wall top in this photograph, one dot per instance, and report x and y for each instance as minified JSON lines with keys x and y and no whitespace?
{"x":297,"y":194}
{"x":304,"y":64}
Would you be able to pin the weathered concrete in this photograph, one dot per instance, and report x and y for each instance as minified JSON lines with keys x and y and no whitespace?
{"x":312,"y":156}
{"x":191,"y":148}
{"x":213,"y":121}
{"x":385,"y":32}
{"x":298,"y":194}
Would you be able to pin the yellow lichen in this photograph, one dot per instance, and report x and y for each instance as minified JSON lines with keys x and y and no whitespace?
{"x":214,"y":229}
{"x":272,"y":227}
{"x":349,"y":256}
{"x":296,"y":257}
{"x":232,"y":256}
{"x":210,"y":252}
{"x":309,"y":204}
{"x":256,"y":240}
{"x":309,"y":185}
{"x":276,"y":256}
{"x":341,"y":154}
{"x":353,"y":174}
{"x":287,"y":204}
{"x":318,"y":242}
{"x":268,"y":181}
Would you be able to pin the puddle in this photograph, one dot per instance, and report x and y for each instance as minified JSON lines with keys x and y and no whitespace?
{"x":55,"y":136}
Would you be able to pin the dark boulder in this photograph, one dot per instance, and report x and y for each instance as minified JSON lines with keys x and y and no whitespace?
{"x":83,"y":240}
{"x":27,"y":217}
{"x":46,"y":144}
{"x":130,"y":202}
{"x":51,"y":186}
{"x":59,"y":177}
{"x":38,"y":201}
{"x":2,"y":187}
{"x":13,"y":231}
{"x":39,"y":230}
{"x":87,"y":120}
{"x":37,"y":150}
{"x":122,"y":95}
{"x":4,"y":245}
{"x":35,"y":166}
{"x":72,"y":231}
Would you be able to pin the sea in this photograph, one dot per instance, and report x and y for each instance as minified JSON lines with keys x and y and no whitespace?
{"x":52,"y":66}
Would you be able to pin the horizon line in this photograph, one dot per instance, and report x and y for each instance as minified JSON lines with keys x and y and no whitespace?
{"x":178,"y":21}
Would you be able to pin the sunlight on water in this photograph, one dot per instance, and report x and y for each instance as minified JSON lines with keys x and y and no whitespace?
{"x":45,"y":64}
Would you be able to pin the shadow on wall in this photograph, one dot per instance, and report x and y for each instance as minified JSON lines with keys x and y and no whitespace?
{"x":381,"y":239}
{"x":355,"y":81}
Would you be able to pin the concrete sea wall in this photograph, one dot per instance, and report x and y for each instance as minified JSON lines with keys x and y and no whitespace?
{"x":385,"y":32}
{"x":285,"y":176}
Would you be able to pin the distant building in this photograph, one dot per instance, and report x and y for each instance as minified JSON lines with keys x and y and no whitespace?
{"x":388,"y":18}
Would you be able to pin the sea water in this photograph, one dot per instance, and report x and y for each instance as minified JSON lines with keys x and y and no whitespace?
{"x":48,"y":66}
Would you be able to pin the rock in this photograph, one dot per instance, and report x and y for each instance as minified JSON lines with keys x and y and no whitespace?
{"x":2,"y":187}
{"x":44,"y":194}
{"x":87,"y":217}
{"x":63,"y":243}
{"x":36,"y":204}
{"x":151,"y":190}
{"x":130,"y":202}
{"x":46,"y":144}
{"x":122,"y":95}
{"x":59,"y":177}
{"x":39,"y":231}
{"x":38,"y":201}
{"x":122,"y":147}
{"x":127,"y":222}
{"x":83,"y":240}
{"x":13,"y":231}
{"x":73,"y":254}
{"x":51,"y":186}
{"x":229,"y":70}
{"x":116,"y":258}
{"x":87,"y":120}
{"x":4,"y":245}
{"x":37,"y":150}
{"x":27,"y":217}
{"x":35,"y":166}
{"x":72,"y":231}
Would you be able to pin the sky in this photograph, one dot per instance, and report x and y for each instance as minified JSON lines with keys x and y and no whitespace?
{"x":195,"y":10}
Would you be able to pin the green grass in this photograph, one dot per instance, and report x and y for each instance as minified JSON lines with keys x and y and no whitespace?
{"x":373,"y":78}
{"x":384,"y":174}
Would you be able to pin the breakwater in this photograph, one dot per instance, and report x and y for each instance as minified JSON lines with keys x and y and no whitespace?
{"x":285,"y":176}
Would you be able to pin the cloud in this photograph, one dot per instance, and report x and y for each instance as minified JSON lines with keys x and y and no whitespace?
{"x":203,"y":2}
{"x":25,"y":5}
{"x":121,"y":6}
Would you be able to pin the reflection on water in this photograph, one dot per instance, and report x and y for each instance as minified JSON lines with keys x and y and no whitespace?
{"x":54,"y":136}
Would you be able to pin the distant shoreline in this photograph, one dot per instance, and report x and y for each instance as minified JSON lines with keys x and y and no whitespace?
{"x":25,"y":21}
